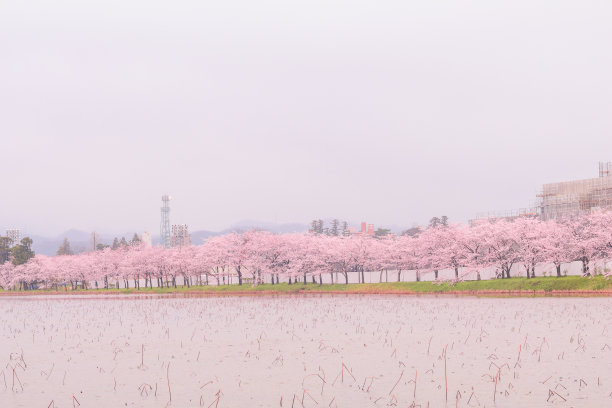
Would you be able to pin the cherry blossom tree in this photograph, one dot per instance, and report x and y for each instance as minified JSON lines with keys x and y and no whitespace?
{"x":529,"y":237}
{"x":263,"y":256}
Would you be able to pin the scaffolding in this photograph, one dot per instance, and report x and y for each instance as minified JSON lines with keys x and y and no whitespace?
{"x":527,"y":212}
{"x":576,"y":197}
{"x":605,"y":169}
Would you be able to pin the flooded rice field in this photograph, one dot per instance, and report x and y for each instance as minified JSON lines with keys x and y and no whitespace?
{"x":306,"y":351}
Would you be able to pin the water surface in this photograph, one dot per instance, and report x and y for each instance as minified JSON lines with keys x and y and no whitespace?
{"x":279,"y":351}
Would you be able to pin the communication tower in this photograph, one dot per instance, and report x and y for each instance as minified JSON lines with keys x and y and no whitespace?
{"x":164,"y":226}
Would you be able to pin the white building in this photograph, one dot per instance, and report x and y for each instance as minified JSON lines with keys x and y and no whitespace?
{"x":180,"y":236}
{"x":15,"y":235}
{"x":146,"y":238}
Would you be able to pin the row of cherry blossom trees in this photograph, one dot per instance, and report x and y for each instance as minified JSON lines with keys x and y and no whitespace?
{"x":258,"y":257}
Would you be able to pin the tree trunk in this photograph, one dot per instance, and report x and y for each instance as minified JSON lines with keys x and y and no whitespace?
{"x":585,"y":267}
{"x":320,"y":279}
{"x":345,"y":278}
{"x":558,"y":270}
{"x":456,"y":272}
{"x":239,"y":275}
{"x":399,"y":275}
{"x":418,"y":276}
{"x":436,"y":274}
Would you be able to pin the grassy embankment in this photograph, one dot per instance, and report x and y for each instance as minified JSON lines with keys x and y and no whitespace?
{"x":567,"y":285}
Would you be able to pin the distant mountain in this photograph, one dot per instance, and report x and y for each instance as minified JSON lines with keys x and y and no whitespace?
{"x":44,"y":245}
{"x":268,"y":226}
{"x":79,"y":240}
{"x":198,"y":237}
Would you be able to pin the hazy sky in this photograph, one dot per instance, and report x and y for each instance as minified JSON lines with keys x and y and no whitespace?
{"x":385,"y":111}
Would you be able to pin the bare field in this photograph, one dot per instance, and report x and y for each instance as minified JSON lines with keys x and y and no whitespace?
{"x":327,"y":351}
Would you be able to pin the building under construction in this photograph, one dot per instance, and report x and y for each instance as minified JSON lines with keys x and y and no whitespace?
{"x":565,"y":199}
{"x":577,"y":197}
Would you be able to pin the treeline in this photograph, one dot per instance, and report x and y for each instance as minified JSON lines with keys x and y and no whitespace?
{"x":488,"y":249}
{"x":66,"y":249}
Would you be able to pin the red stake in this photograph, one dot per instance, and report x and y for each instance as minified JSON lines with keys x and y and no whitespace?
{"x":168,"y":378}
{"x":398,"y":380}
{"x":445,"y":375}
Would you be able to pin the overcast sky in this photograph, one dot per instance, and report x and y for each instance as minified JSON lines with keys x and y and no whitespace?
{"x":283,"y":111}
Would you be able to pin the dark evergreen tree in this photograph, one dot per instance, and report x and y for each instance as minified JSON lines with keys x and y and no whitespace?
{"x":5,"y":249}
{"x":135,"y":239}
{"x":22,"y":251}
{"x":65,"y":248}
{"x":345,"y":229}
{"x":313,"y":227}
{"x":412,"y":232}
{"x":334,"y":229}
{"x":381,"y":232}
{"x":319,"y":226}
